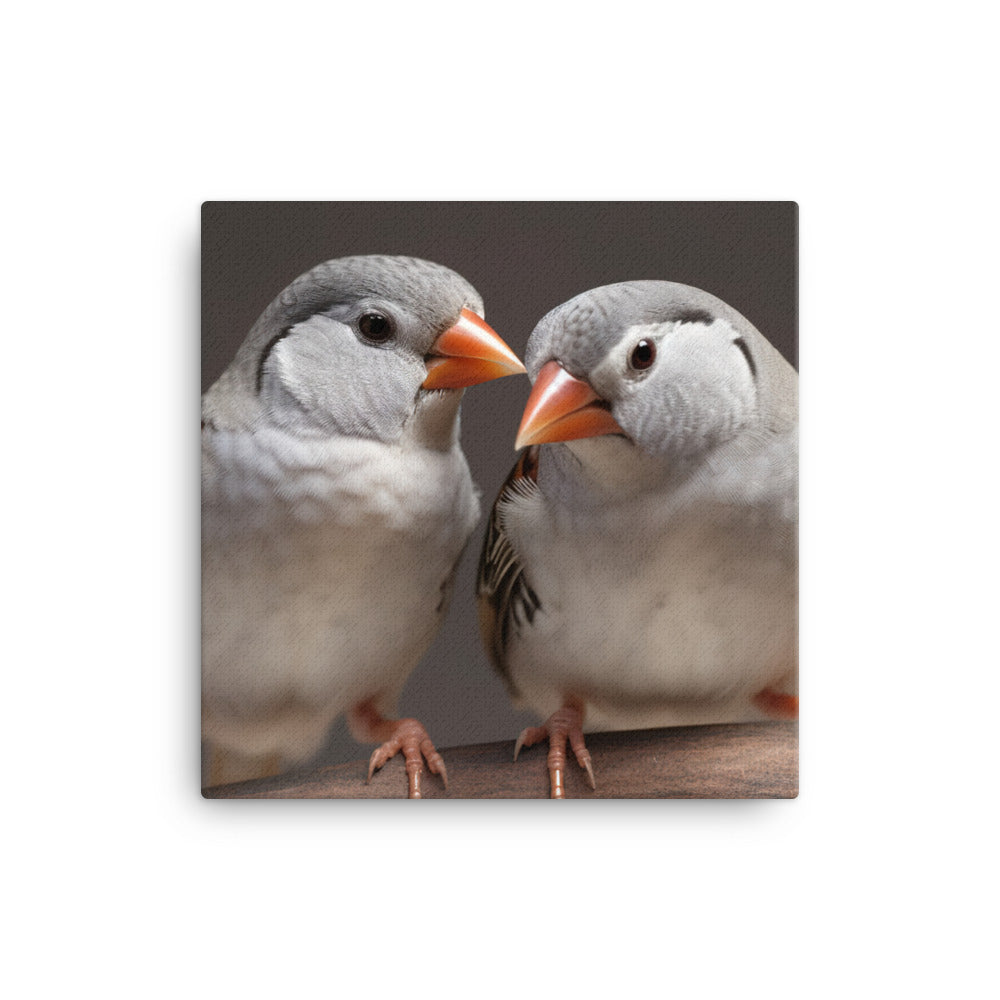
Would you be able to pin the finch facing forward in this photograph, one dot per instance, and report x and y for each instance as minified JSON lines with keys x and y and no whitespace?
{"x":640,"y":564}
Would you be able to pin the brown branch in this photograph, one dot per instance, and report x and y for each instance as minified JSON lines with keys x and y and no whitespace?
{"x":746,"y":761}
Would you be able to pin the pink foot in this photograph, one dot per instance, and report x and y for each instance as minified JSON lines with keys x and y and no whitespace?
{"x":565,"y":723}
{"x":410,"y":737}
{"x":406,"y":735}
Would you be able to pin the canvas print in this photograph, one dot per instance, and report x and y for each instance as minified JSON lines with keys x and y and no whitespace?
{"x":499,"y":500}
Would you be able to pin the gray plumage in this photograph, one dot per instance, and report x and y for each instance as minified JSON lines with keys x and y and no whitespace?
{"x":658,"y":563}
{"x":335,"y":503}
{"x":425,"y":298}
{"x":584,"y":331}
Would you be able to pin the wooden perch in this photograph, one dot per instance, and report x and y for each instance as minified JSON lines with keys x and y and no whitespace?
{"x":757,"y":760}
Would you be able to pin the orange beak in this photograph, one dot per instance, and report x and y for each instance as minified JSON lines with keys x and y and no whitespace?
{"x":468,"y":353}
{"x":562,"y":408}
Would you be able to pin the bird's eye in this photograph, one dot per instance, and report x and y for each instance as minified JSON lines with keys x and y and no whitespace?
{"x":643,"y":355}
{"x":375,"y":327}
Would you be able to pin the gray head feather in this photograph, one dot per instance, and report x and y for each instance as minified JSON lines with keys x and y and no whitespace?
{"x":582,"y":332}
{"x":430,"y":295}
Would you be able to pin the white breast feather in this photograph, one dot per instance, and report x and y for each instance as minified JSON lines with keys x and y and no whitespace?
{"x":666,"y":611}
{"x":322,"y":571}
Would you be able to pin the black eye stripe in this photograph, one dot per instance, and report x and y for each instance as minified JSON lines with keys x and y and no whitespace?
{"x":742,"y":345}
{"x":694,"y":316}
{"x":266,"y":353}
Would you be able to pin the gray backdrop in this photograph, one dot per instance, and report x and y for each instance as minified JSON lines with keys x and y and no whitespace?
{"x":524,"y":258}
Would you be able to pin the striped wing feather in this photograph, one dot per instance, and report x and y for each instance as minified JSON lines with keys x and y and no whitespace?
{"x":506,"y":599}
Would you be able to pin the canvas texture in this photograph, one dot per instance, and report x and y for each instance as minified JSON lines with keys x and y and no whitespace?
{"x":475,"y":693}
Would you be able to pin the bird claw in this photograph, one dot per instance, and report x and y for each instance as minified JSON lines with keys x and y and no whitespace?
{"x":529,"y":737}
{"x":411,"y":738}
{"x":566,"y":723}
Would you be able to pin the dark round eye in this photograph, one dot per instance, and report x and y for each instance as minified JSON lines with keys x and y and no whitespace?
{"x":643,"y":355}
{"x":374,"y":326}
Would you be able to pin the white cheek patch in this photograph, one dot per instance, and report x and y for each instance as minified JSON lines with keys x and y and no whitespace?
{"x":698,"y":392}
{"x":684,"y":338}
